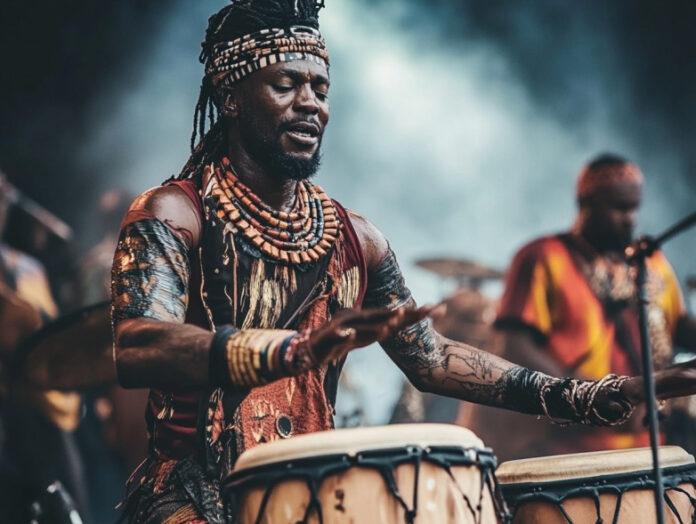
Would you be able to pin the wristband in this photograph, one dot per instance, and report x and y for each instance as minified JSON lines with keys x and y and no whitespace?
{"x":218,"y":370}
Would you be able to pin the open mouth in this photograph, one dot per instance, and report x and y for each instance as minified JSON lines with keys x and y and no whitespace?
{"x":304,"y":133}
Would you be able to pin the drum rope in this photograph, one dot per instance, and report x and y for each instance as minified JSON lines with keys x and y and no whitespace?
{"x":617,"y":509}
{"x":264,"y":503}
{"x":558,"y":492}
{"x":315,"y":470}
{"x":672,"y":507}
{"x":499,"y":503}
{"x":314,"y":503}
{"x":691,"y":498}
{"x":595,"y":496}
{"x":387,"y":472}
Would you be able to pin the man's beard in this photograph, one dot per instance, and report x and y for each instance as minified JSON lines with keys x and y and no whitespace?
{"x":270,"y":154}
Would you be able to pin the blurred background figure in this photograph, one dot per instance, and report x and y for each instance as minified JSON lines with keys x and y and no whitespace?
{"x":83,"y":443}
{"x":570,"y":308}
{"x":37,"y":442}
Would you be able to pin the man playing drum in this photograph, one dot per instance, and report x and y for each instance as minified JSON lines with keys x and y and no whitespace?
{"x":238,"y":287}
{"x":570,"y":305}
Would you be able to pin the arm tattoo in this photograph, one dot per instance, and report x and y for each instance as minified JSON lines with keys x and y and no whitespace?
{"x":150,"y":275}
{"x":451,"y":368}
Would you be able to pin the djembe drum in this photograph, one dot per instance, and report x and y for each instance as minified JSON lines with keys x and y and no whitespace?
{"x":414,"y":473}
{"x":604,"y":486}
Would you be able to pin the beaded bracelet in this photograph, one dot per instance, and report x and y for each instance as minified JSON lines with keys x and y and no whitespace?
{"x":297,"y":357}
{"x":580,"y":397}
{"x":254,"y":357}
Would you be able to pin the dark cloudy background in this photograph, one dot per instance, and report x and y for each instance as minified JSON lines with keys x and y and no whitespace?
{"x":457,"y":126}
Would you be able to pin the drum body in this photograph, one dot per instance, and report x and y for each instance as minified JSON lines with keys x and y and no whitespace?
{"x":419,"y":473}
{"x":614,"y":486}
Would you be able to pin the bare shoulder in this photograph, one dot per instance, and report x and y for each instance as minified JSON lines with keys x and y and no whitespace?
{"x":372,"y":240}
{"x":171,"y":205}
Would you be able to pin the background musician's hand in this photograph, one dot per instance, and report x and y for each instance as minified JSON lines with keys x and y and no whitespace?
{"x":351,"y":329}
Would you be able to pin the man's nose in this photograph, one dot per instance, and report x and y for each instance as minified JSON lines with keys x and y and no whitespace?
{"x":630,"y":218}
{"x":306,"y":100}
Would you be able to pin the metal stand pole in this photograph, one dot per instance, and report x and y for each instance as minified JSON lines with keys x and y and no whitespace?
{"x":649,"y":382}
{"x":638,"y":254}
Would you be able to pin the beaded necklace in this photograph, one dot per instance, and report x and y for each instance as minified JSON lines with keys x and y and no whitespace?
{"x":301,"y":236}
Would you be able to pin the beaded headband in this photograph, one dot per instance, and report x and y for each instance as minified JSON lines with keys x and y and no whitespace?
{"x":232,"y":61}
{"x":593,"y":180}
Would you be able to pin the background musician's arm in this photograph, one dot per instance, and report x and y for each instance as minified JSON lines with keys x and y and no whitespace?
{"x":521,"y":346}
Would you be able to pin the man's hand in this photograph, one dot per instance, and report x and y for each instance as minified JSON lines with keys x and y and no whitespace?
{"x":676,"y":381}
{"x":351,"y":329}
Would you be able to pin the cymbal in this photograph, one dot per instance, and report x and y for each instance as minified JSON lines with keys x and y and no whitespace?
{"x":459,"y":268}
{"x":71,"y":353}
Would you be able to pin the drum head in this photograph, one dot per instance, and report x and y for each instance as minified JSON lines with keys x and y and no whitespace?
{"x":72,"y":352}
{"x":356,"y":440}
{"x":587,"y":465}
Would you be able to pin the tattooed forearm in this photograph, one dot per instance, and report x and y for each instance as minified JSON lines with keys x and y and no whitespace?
{"x":150,"y":273}
{"x":439,"y":365}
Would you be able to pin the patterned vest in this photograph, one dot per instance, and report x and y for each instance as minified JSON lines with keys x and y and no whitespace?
{"x":240,"y":286}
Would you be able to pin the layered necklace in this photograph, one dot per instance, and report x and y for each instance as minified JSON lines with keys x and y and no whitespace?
{"x":612,"y":279}
{"x":301,"y":236}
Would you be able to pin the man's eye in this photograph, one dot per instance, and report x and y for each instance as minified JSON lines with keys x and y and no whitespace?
{"x":282,"y":88}
{"x":321,"y":95}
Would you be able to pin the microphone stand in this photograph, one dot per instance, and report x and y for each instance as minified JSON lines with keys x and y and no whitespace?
{"x":637,"y":254}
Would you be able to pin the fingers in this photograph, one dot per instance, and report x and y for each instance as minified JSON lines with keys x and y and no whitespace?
{"x":346,"y":333}
{"x":400,"y":317}
{"x":351,"y":329}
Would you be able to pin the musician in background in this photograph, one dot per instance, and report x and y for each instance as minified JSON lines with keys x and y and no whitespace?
{"x":39,"y":446}
{"x":570,"y":306}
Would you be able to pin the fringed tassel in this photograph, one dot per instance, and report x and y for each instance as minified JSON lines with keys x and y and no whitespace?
{"x":287,"y":276}
{"x":267,"y":298}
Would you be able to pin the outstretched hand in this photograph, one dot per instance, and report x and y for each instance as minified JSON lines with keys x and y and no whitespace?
{"x":351,"y":329}
{"x":676,"y":381}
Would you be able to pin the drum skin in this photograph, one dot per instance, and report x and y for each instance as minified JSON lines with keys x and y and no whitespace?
{"x":573,"y":481}
{"x":361,"y":494}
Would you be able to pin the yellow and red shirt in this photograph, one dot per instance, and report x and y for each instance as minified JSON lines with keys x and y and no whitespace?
{"x":548,"y":291}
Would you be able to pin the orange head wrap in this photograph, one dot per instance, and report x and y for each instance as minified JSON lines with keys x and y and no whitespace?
{"x":595,"y":178}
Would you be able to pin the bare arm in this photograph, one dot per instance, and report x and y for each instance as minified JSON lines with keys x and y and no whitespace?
{"x":150,"y":277}
{"x":519,"y":345}
{"x":436,"y":364}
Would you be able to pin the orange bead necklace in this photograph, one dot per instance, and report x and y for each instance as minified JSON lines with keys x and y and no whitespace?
{"x":302,"y":235}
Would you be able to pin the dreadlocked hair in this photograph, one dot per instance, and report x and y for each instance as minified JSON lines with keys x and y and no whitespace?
{"x":240,"y":17}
